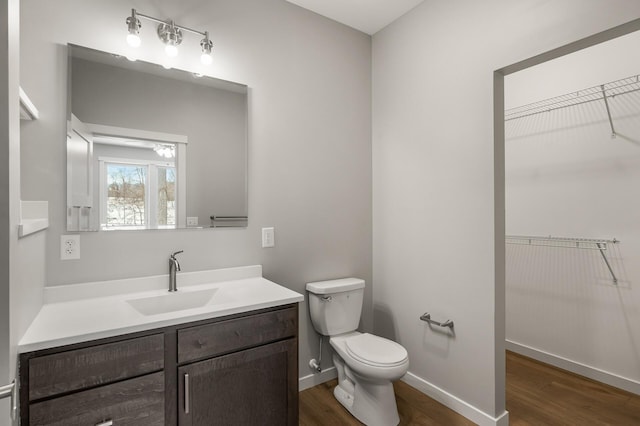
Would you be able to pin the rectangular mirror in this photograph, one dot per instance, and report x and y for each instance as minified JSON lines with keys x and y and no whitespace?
{"x":152,"y":148}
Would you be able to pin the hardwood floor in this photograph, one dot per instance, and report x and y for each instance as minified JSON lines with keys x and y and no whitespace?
{"x":319,"y":407}
{"x":537,"y":394}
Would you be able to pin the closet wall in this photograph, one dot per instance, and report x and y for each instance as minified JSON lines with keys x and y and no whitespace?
{"x":567,"y":177}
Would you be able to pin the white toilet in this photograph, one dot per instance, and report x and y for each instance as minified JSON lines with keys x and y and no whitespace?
{"x":366,"y":364}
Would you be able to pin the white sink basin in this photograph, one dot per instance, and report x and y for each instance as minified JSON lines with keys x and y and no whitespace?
{"x":175,"y":301}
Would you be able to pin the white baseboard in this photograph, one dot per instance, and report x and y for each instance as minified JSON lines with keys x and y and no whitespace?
{"x":575,"y":367}
{"x":456,"y":404}
{"x":443,"y":397}
{"x":312,"y":380}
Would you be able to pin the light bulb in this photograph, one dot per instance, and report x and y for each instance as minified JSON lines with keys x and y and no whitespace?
{"x":133,"y":40}
{"x":171,"y":50}
{"x":206,"y":59}
{"x":206,"y":46}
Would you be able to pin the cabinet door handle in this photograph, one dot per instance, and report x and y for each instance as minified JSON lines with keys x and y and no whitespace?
{"x":105,"y":423}
{"x":186,"y":393}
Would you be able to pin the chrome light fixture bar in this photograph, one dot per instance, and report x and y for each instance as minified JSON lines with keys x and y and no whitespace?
{"x":170,"y":33}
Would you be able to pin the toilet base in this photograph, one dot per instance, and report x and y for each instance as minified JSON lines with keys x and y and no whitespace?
{"x":373,"y":403}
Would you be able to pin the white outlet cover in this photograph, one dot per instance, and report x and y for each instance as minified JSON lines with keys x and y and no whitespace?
{"x":69,"y":247}
{"x":192,"y":220}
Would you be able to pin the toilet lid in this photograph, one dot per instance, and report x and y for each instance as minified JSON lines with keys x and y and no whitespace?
{"x":375,"y":350}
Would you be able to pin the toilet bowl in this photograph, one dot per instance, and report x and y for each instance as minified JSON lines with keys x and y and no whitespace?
{"x":366,"y":364}
{"x":371,"y":356}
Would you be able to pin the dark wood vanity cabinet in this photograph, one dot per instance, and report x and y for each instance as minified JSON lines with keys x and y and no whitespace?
{"x":235,"y":370}
{"x":247,"y":373}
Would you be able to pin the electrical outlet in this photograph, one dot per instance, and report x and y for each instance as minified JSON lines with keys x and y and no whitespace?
{"x":69,"y":247}
{"x":192,"y":220}
{"x":268,"y":237}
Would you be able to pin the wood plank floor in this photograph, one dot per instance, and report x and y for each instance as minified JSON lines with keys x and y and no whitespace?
{"x":537,"y":394}
{"x":319,"y":407}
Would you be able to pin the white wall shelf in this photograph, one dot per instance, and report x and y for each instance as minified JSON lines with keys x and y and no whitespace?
{"x":579,"y":243}
{"x":34,"y":217}
{"x":603,"y":92}
{"x":28,"y":110}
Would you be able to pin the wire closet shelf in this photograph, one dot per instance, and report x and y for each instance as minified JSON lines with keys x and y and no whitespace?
{"x":549,"y":241}
{"x":562,"y":242}
{"x":601,"y":93}
{"x":592,"y":94}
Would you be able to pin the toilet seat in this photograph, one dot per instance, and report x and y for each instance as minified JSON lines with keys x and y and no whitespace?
{"x":375,"y":351}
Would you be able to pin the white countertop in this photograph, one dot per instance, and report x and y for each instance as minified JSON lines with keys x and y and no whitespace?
{"x":82,"y":312}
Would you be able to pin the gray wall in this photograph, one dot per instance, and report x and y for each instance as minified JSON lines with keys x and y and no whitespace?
{"x":21,"y":260}
{"x":214,"y":121}
{"x":434,"y":169}
{"x":309,"y":140}
{"x":7,"y":114}
{"x":5,"y":181}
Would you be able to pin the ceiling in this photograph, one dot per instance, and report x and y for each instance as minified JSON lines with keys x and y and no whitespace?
{"x":368,"y":16}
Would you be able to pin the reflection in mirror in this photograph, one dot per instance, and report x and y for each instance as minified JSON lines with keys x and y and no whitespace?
{"x":151,"y":148}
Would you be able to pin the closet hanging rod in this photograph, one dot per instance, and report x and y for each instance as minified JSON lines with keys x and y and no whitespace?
{"x":580,"y":243}
{"x":549,"y":241}
{"x":593,"y":94}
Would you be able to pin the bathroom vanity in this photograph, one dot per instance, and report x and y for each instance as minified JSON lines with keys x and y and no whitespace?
{"x":235,"y":362}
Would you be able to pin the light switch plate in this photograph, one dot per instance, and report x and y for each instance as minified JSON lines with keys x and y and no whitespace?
{"x":268,"y":237}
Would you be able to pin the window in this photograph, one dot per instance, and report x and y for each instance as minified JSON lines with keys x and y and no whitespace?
{"x":137,"y":194}
{"x":166,"y":209}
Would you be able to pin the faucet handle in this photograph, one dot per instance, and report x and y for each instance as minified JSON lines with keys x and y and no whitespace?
{"x":174,"y":260}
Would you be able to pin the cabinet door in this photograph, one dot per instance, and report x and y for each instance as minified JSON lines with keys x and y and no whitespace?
{"x":258,"y":386}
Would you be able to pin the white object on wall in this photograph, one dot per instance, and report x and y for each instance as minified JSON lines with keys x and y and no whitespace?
{"x":268,"y":237}
{"x":28,"y":110}
{"x":34,"y":217}
{"x":70,"y":247}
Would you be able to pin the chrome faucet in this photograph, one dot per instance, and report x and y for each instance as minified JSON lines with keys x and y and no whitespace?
{"x":174,"y":266}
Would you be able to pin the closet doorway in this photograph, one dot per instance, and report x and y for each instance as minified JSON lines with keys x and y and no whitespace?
{"x":571,"y":185}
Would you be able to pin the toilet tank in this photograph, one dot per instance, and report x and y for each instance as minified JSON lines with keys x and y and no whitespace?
{"x":335,"y":306}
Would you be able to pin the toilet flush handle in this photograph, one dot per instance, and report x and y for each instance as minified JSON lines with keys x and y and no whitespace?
{"x":327,"y":298}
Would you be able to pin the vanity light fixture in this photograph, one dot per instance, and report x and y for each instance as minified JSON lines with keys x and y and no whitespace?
{"x":171,"y":36}
{"x":170,"y":33}
{"x":133,"y":38}
{"x":206,"y":45}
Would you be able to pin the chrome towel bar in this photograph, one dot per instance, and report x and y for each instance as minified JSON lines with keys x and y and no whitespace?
{"x":7,"y":390}
{"x":427,"y":318}
{"x":10,"y":391}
